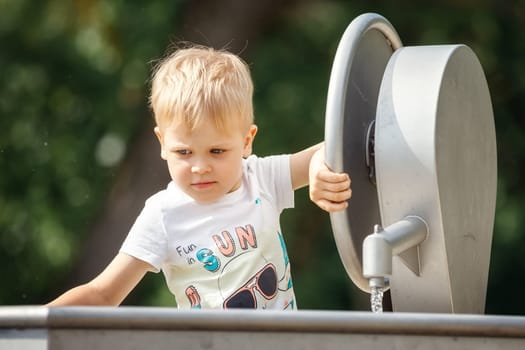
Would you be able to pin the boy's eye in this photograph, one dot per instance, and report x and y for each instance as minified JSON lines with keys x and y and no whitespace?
{"x":217,"y":151}
{"x":183,"y":152}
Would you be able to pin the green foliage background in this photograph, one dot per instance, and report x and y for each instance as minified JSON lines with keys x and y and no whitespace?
{"x":73,"y":93}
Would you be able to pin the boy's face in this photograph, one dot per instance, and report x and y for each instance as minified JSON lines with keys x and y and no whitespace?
{"x":205,"y":162}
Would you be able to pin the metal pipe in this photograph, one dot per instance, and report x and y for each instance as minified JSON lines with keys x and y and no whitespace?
{"x":380,"y":246}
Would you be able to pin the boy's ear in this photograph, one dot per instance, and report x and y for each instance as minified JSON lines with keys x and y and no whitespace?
{"x":158,"y":133}
{"x":248,"y":140}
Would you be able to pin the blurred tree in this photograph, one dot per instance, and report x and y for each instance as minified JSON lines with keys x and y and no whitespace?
{"x":78,"y":157}
{"x":72,"y":97}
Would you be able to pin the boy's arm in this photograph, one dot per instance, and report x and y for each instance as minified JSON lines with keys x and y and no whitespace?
{"x":110,"y":287}
{"x":299,"y":163}
{"x":329,"y":190}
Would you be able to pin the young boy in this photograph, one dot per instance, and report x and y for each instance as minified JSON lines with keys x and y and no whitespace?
{"x":214,"y":231}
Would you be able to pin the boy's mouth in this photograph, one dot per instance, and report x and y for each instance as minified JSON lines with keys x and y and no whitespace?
{"x":202,"y":184}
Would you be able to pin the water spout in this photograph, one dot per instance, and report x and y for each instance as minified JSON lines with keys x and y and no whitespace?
{"x":379,"y":248}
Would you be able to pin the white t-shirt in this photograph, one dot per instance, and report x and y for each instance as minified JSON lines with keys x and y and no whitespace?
{"x":226,"y":254}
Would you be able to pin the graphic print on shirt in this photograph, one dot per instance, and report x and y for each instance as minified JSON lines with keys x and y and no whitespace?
{"x":238,"y":251}
{"x":285,"y":282}
{"x":253,"y":293}
{"x":194,"y":297}
{"x":264,"y":283}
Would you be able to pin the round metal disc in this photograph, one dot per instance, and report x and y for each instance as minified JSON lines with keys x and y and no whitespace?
{"x":436,"y":158}
{"x":357,"y":72}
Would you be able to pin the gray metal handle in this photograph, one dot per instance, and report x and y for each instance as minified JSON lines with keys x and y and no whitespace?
{"x":340,"y":81}
{"x":360,"y":61}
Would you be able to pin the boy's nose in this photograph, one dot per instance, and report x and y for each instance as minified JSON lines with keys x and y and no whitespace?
{"x":200,"y":168}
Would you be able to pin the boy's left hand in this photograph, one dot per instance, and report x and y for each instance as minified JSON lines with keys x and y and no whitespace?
{"x":329,"y":190}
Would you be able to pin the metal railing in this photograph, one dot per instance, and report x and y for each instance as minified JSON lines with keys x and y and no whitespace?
{"x":28,"y":327}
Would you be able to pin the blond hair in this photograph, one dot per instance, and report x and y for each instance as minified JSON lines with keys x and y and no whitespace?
{"x":198,"y":83}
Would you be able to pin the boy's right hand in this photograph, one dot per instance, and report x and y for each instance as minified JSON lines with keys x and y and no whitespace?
{"x":329,"y":190}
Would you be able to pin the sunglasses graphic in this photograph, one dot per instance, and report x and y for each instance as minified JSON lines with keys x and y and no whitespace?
{"x":265,"y":282}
